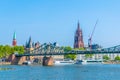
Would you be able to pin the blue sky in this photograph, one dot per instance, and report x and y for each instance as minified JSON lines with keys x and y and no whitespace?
{"x":56,"y":21}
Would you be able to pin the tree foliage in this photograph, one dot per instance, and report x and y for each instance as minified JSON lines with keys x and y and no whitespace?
{"x":79,"y":49}
{"x":117,"y":58}
{"x":19,"y":49}
{"x":69,"y":56}
{"x":67,"y":48}
{"x":105,"y":57}
{"x":88,"y":55}
{"x":7,"y":50}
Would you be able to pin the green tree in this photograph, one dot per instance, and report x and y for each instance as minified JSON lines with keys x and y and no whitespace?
{"x":19,"y":49}
{"x":88,"y":55}
{"x":67,"y":48}
{"x":1,"y":51}
{"x":69,"y":56}
{"x":79,"y":49}
{"x":117,"y":58}
{"x":6,"y":50}
{"x":105,"y":57}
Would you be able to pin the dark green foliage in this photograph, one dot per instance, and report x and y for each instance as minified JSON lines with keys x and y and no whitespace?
{"x":19,"y":49}
{"x":105,"y":57}
{"x":117,"y":58}
{"x":69,"y":56}
{"x":7,"y":50}
{"x":88,"y":55}
{"x":79,"y":49}
{"x":67,"y":48}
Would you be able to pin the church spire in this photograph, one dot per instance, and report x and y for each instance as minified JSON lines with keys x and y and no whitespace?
{"x":14,"y":42}
{"x":30,"y":42}
{"x":78,"y":26}
{"x":14,"y":35}
{"x":78,"y":39}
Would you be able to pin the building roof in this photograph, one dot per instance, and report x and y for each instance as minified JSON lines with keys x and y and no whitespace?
{"x":14,"y":36}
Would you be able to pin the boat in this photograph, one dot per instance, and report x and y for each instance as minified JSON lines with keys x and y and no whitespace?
{"x":63,"y":62}
{"x":27,"y":63}
{"x":81,"y":62}
{"x":95,"y":61}
{"x":88,"y":61}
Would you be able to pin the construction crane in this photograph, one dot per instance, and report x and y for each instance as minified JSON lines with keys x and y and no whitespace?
{"x":90,"y":38}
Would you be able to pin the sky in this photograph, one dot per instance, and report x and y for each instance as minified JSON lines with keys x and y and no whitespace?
{"x":56,"y":21}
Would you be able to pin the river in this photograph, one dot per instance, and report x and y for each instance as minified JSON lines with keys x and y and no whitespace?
{"x":66,"y":72}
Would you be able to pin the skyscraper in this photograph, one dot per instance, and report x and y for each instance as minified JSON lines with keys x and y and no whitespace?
{"x":78,"y":38}
{"x":14,"y":42}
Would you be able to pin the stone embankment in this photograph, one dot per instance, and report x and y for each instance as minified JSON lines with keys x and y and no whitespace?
{"x":5,"y":63}
{"x":112,"y":62}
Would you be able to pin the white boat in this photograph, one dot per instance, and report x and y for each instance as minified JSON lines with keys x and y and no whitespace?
{"x":27,"y":63}
{"x":88,"y":61}
{"x":94,"y":61}
{"x":97,"y":61}
{"x":63,"y":62}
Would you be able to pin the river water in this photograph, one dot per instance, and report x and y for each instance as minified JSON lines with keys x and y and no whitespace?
{"x":64,"y":72}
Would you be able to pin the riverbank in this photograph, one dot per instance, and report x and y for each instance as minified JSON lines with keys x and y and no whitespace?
{"x":5,"y":63}
{"x":111,"y":62}
{"x":105,"y":62}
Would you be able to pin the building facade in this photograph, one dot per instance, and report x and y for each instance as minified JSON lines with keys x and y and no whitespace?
{"x":29,"y":46}
{"x":78,"y":38}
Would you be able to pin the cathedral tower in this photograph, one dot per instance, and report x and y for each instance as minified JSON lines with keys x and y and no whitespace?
{"x":14,"y":42}
{"x":29,"y":45}
{"x":78,"y":38}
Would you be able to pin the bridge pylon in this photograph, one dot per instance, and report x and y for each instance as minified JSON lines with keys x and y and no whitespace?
{"x":47,"y":61}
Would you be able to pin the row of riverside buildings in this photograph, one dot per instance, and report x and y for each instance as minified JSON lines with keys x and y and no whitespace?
{"x":78,"y":43}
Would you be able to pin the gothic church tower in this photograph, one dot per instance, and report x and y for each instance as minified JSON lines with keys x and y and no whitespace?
{"x":78,"y":38}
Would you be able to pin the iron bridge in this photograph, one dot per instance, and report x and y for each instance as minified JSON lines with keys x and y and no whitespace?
{"x":53,"y":49}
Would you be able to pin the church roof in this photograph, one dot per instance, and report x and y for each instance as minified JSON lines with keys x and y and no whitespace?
{"x":14,"y":35}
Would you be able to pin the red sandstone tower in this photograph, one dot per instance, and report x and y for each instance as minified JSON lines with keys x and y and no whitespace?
{"x":78,"y":39}
{"x":14,"y":43}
